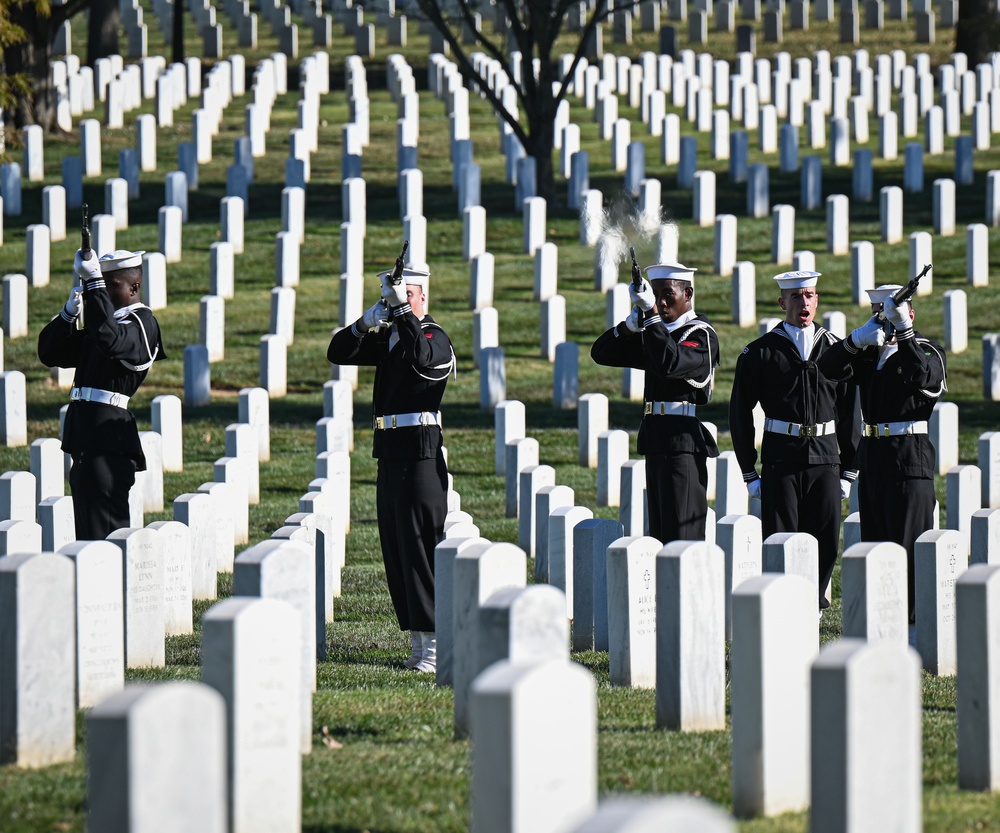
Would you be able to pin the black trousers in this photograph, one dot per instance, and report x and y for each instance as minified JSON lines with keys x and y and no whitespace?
{"x":897,"y":509}
{"x":100,"y":483}
{"x":412,"y":504}
{"x":804,"y":500}
{"x":677,"y":496}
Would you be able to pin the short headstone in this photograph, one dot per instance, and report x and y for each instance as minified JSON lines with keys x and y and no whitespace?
{"x":196,"y":511}
{"x":977,"y":597}
{"x":865,"y":737}
{"x":175,"y":545}
{"x":445,"y":554}
{"x":285,"y":571}
{"x":58,"y":523}
{"x":873,"y":590}
{"x":534,"y":732}
{"x":940,"y":557}
{"x":100,"y":620}
{"x":739,"y":537}
{"x":37,"y":658}
{"x":166,"y":413}
{"x":632,"y":589}
{"x":773,"y":647}
{"x":478,"y":574}
{"x":251,"y":656}
{"x":143,"y":575}
{"x":561,"y":529}
{"x":690,"y":636}
{"x":794,"y":553}
{"x":126,"y":737}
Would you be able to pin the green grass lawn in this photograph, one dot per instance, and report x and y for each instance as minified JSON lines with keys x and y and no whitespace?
{"x":398,"y":768}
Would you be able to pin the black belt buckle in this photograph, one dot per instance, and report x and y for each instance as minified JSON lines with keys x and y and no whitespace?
{"x":808,"y":431}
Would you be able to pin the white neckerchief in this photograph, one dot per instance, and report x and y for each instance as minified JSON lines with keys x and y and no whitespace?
{"x":885,"y":352}
{"x":119,"y":314}
{"x":680,"y":321}
{"x":803,"y":338}
{"x":394,"y":335}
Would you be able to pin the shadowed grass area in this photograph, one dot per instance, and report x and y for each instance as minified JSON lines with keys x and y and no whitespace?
{"x":383,"y":757}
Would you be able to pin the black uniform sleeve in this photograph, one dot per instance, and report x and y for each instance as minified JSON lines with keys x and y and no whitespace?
{"x":848,"y":407}
{"x":688,"y":359}
{"x":619,"y":347}
{"x":741,"y":404}
{"x":428,"y":348}
{"x":922,"y":366}
{"x":351,"y":347}
{"x":127,"y":339}
{"x":838,"y":362}
{"x":59,"y":343}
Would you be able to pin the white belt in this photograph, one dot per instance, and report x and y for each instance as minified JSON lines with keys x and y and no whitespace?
{"x":893,"y":429}
{"x":793,"y":429}
{"x":388,"y":421}
{"x":105,"y":397}
{"x":671,"y":408}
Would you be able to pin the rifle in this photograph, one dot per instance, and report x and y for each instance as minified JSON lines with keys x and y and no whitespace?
{"x":85,"y":248}
{"x":397,"y":269}
{"x":910,"y":289}
{"x":636,"y":272}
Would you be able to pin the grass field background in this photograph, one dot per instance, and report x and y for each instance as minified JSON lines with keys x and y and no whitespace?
{"x":398,"y":768}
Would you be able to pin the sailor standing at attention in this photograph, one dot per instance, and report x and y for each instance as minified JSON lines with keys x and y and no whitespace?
{"x":811,"y":425}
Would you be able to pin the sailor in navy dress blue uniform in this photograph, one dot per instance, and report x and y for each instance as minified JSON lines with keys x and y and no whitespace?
{"x":811,"y":425}
{"x":901,"y":376}
{"x":112,"y":355}
{"x":413,"y":359}
{"x":678,"y":350}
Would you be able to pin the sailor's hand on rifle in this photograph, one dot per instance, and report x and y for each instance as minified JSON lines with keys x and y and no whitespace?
{"x":394,"y":294}
{"x":870,"y":335}
{"x":376,"y":316}
{"x":642,"y":297}
{"x":74,"y":303}
{"x":89,"y":269}
{"x":897,"y":314}
{"x":634,"y":321}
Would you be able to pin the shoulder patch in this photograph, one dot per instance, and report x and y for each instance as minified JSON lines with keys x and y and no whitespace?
{"x":745,"y":350}
{"x":429,"y":335}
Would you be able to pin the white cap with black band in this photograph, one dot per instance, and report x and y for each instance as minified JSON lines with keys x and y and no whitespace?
{"x":120,"y":259}
{"x":801,"y":279}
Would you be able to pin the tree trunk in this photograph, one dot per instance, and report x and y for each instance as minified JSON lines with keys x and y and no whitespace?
{"x":102,"y":30}
{"x":33,"y":58}
{"x":977,"y":33}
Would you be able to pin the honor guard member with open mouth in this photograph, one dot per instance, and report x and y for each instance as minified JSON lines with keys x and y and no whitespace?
{"x":413,"y":358}
{"x":112,"y":355}
{"x":678,"y":350}
{"x":901,"y":376}
{"x":810,"y":426}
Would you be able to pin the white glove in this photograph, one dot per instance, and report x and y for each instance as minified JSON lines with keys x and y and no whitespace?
{"x":845,"y":489}
{"x":634,"y":321}
{"x":642,"y":297}
{"x":870,"y":335}
{"x":753,"y":487}
{"x":395,"y":295}
{"x":897,"y":315}
{"x":89,"y":269}
{"x":74,"y":303}
{"x":376,"y":316}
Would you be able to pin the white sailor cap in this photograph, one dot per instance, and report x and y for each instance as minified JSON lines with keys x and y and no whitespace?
{"x":671,"y":272}
{"x":411,"y":277}
{"x":801,"y":279}
{"x":120,"y":259}
{"x":880,"y":293}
